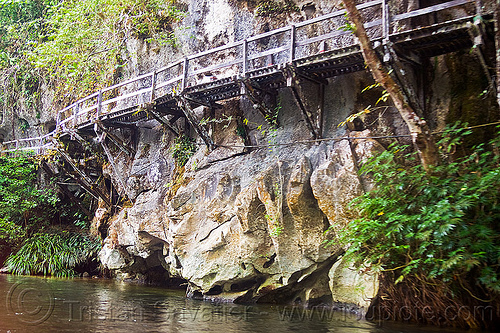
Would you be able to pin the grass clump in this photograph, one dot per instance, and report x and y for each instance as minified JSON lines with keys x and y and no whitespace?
{"x":55,"y":254}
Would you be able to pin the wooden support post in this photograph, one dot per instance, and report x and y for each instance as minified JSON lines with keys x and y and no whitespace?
{"x":162,"y":121}
{"x":66,"y":191}
{"x":293,"y":83}
{"x":250,"y":93}
{"x":99,"y":105}
{"x":321,"y":107}
{"x":76,"y":109}
{"x":476,"y":35}
{"x":245,"y":57}
{"x":58,"y":122}
{"x":200,"y":130}
{"x":292,"y":44}
{"x":386,"y":21}
{"x":184,"y":74}
{"x":497,"y":47}
{"x":401,"y":78}
{"x":153,"y":87}
{"x":304,"y":112}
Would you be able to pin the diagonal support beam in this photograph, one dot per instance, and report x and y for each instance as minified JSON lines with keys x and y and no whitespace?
{"x":102,"y":140}
{"x":84,"y":180}
{"x":159,"y":118}
{"x":400,"y":76}
{"x":66,"y":191}
{"x":292,"y":81}
{"x":200,"y":130}
{"x":249,"y":91}
{"x":116,"y":140}
{"x":476,"y":33}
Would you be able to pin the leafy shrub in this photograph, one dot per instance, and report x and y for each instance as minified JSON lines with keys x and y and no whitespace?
{"x":75,"y":46}
{"x":183,"y":148}
{"x":82,"y":52}
{"x":53,"y":254}
{"x":440,"y":225}
{"x":22,"y":201}
{"x":271,"y":8}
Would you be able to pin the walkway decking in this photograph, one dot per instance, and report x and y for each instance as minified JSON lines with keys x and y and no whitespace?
{"x":313,"y":50}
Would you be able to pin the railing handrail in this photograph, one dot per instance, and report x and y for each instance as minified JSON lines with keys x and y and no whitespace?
{"x":80,"y":111}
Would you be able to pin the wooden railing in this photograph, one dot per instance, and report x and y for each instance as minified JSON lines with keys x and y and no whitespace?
{"x":239,"y":60}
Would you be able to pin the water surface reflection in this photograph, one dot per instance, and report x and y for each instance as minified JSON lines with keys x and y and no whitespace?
{"x":34,"y":304}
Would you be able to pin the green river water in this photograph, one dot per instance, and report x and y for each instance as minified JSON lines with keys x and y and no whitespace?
{"x":38,"y":305}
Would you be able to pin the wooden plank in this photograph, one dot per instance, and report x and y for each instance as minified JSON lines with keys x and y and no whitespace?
{"x":135,"y":79}
{"x":166,"y":83}
{"x":430,"y":9}
{"x":162,"y":69}
{"x":337,"y":13}
{"x":269,"y":52}
{"x":122,"y":97}
{"x":215,"y":50}
{"x":292,"y":44}
{"x":268,"y":34}
{"x":215,"y":67}
{"x":335,"y":34}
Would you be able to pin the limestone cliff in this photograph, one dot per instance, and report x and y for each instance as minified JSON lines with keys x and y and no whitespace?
{"x":249,"y":224}
{"x":247,"y":221}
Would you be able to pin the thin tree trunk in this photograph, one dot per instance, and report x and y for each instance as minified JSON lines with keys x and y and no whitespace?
{"x":421,"y":135}
{"x":497,"y":44}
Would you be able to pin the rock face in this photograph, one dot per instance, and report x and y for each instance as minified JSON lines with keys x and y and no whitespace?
{"x":249,"y":224}
{"x":245,"y":225}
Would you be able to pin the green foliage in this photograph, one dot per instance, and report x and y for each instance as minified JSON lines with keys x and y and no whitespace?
{"x":75,"y":46}
{"x":182,"y":149}
{"x":443,"y":224}
{"x":22,"y":23}
{"x":272,"y":8}
{"x":53,"y":254}
{"x":82,"y":52}
{"x":22,"y":202}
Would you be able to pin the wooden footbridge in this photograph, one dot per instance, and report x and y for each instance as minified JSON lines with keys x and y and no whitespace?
{"x":312,"y":50}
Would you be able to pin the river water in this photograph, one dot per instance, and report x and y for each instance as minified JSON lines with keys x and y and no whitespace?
{"x":35,"y":304}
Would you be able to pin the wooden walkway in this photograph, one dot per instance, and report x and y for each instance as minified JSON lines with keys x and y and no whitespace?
{"x":312,"y":50}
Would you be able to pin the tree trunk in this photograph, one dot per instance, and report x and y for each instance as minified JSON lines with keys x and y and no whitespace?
{"x":421,"y":135}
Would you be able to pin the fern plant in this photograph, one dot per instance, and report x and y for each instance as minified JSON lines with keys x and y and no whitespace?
{"x":53,"y":254}
{"x":442,"y":225}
